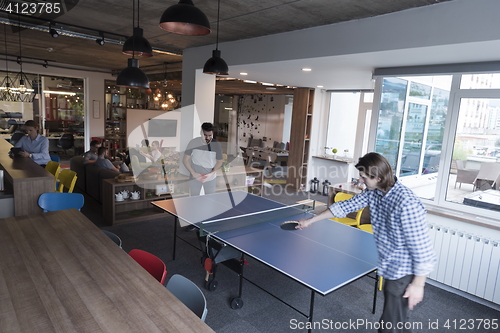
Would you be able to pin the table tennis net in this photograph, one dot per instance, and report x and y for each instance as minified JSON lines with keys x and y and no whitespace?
{"x":246,"y":220}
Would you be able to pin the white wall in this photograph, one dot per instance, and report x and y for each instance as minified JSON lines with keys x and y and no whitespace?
{"x":342,"y":122}
{"x":138,"y":124}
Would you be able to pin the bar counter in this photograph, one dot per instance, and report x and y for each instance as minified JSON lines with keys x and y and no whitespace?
{"x":25,"y":180}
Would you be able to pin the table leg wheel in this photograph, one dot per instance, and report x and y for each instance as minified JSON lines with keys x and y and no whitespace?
{"x":236,"y":303}
{"x":211,"y":285}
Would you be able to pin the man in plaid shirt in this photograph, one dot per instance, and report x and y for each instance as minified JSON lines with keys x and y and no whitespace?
{"x":400,"y":230}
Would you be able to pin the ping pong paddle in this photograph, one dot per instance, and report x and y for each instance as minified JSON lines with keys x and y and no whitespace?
{"x":289,"y":225}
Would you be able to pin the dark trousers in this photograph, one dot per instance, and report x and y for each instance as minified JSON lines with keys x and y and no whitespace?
{"x":396,"y":310}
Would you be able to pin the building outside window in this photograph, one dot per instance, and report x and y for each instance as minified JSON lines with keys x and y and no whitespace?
{"x":433,"y":128}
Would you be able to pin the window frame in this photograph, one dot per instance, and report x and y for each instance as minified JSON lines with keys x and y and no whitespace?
{"x":451,"y":122}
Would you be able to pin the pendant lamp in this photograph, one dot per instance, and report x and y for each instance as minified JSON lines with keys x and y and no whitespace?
{"x":185,"y":19}
{"x":22,"y":89}
{"x":137,"y":44}
{"x":7,"y":83}
{"x":132,"y":76}
{"x":216,"y":65}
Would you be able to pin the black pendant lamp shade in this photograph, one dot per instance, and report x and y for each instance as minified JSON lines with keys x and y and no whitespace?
{"x":185,"y":19}
{"x":132,"y":76}
{"x":137,"y":43}
{"x":216,"y":65}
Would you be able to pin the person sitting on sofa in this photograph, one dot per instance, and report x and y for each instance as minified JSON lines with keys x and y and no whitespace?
{"x":104,"y":162}
{"x":91,"y":156}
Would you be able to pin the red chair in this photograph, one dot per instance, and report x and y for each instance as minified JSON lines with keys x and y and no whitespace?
{"x":154,"y":265}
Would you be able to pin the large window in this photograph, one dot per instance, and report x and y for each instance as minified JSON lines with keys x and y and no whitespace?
{"x":447,"y":149}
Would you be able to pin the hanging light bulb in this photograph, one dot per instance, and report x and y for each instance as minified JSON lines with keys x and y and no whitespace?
{"x":22,"y":88}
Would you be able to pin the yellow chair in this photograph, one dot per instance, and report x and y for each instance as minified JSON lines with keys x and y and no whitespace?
{"x":53,"y":168}
{"x":340,"y":196}
{"x":67,"y":178}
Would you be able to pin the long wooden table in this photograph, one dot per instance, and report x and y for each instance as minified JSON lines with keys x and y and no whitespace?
{"x":60,"y":273}
{"x":25,"y":179}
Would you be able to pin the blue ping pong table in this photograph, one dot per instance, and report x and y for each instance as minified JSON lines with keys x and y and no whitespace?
{"x":323,"y":257}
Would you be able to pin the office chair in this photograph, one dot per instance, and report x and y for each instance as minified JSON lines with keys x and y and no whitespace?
{"x":55,"y":158}
{"x":16,"y":137}
{"x":66,"y":141}
{"x":189,"y":294}
{"x":151,"y":263}
{"x":50,"y":202}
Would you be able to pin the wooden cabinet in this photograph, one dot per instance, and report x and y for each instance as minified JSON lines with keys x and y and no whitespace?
{"x":129,"y":210}
{"x":299,"y":139}
{"x":118,"y":100}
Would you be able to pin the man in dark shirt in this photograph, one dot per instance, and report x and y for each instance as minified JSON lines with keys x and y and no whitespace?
{"x":203,"y":157}
{"x":104,"y":162}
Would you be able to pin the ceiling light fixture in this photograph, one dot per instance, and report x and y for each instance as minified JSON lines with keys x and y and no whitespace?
{"x":100,"y":40}
{"x":24,"y":91}
{"x":185,"y":19}
{"x":306,"y":69}
{"x":216,"y":65}
{"x":56,"y":92}
{"x":132,"y":76}
{"x":137,"y":44}
{"x":243,"y":73}
{"x":53,"y":32}
{"x":7,"y":83}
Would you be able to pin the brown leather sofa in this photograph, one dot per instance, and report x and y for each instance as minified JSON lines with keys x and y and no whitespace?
{"x":90,"y":177}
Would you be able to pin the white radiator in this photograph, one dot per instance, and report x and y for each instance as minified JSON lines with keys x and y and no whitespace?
{"x":467,"y":262}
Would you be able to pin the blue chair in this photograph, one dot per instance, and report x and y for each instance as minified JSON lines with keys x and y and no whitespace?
{"x":55,"y":158}
{"x":50,"y":202}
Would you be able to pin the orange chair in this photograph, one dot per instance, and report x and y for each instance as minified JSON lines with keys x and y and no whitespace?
{"x":151,"y":263}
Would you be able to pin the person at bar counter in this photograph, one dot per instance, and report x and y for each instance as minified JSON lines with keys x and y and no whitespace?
{"x":34,"y":145}
{"x":398,"y":218}
{"x":203,"y":157}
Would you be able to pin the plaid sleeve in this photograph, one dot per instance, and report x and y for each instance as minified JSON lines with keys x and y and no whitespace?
{"x":416,"y":235}
{"x":342,"y":208}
